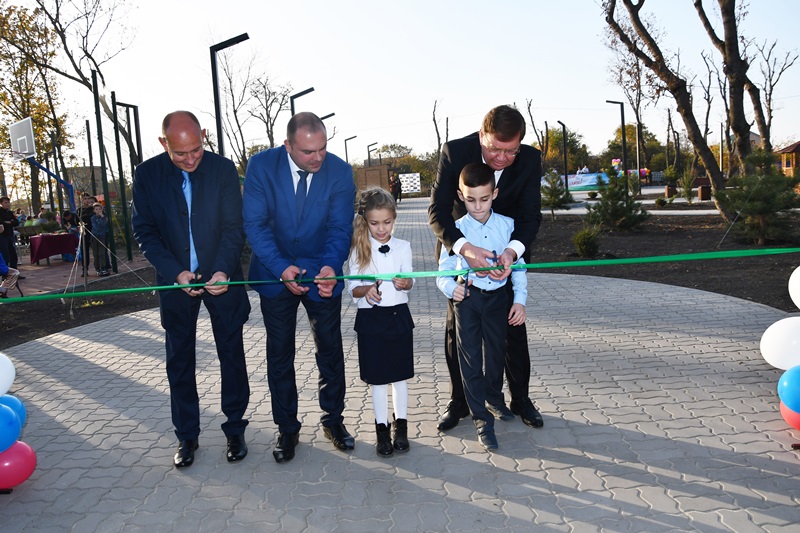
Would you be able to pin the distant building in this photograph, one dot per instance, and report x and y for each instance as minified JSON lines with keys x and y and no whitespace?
{"x":789,"y":157}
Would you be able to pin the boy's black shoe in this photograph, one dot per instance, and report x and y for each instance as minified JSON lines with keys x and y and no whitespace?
{"x":487,"y":439}
{"x":500,"y":411}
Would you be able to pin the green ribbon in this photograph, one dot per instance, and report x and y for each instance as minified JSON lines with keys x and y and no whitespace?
{"x":431,"y":273}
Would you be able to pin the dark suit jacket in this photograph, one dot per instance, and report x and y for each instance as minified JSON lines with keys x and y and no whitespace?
{"x":322,"y":236}
{"x":519,"y":195}
{"x":161,"y":227}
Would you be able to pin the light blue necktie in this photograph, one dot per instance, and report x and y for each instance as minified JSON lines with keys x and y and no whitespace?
{"x":300,"y":193}
{"x":187,"y":193}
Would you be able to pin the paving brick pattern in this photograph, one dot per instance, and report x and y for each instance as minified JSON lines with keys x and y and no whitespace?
{"x":660,"y":415}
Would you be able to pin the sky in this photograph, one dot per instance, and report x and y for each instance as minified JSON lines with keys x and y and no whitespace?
{"x":380,"y":66}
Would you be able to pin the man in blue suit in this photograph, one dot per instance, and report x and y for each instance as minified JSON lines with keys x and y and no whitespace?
{"x":187,"y":220}
{"x":298,"y":217}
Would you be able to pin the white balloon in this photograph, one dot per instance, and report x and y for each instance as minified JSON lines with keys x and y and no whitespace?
{"x":7,"y":373}
{"x":780,"y":344}
{"x":794,"y":286}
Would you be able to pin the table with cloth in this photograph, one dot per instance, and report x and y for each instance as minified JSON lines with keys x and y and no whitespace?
{"x":45,"y":245}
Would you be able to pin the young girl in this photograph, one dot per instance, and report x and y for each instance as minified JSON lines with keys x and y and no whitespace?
{"x":383,"y":322}
{"x":99,"y":232}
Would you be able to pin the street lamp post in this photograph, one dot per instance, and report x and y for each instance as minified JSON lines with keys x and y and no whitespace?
{"x":624,"y":145}
{"x":217,"y":110}
{"x":345,"y":147}
{"x":369,"y":151}
{"x":298,"y":95}
{"x":135,"y":108}
{"x":566,"y":170}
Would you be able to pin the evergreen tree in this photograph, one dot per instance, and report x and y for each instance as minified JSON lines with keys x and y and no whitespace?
{"x":616,"y":209}
{"x":554,"y":193}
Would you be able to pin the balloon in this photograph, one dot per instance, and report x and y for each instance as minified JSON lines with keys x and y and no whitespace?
{"x":16,"y":465}
{"x":792,"y":418}
{"x":794,"y":286}
{"x":780,"y":344}
{"x":16,"y":404}
{"x":789,"y":388}
{"x":7,"y":373}
{"x":9,"y":427}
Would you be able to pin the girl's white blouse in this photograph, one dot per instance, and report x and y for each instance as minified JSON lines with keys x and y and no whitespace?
{"x":397,"y":259}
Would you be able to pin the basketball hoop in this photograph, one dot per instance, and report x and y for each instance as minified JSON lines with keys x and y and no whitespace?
{"x":23,"y":144}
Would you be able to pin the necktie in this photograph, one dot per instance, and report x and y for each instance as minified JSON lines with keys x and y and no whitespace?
{"x":187,"y":193}
{"x":300,"y":194}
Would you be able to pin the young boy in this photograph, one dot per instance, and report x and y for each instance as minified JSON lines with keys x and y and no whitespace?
{"x":99,"y":231}
{"x":480,"y":307}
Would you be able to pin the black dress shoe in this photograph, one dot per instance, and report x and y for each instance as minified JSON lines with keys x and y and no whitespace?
{"x":237,"y":448}
{"x":527,"y":412}
{"x":284,"y":449}
{"x":487,"y":439}
{"x":339,"y":437}
{"x":184,"y":456}
{"x":455,"y":411}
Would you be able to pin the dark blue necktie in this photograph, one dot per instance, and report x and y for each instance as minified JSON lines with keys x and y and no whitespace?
{"x":300,"y":194}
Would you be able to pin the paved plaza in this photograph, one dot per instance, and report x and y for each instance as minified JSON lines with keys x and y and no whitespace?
{"x":660,"y":415}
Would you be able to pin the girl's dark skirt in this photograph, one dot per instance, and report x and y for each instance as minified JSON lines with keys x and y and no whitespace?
{"x":385,"y":344}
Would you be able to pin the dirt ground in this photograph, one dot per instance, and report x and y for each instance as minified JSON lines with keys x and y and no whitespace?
{"x":761,"y":279}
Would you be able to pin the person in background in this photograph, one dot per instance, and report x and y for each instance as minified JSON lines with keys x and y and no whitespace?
{"x":69,"y":222}
{"x":8,"y":275}
{"x":85,"y":213}
{"x":99,"y":238}
{"x":8,"y":247}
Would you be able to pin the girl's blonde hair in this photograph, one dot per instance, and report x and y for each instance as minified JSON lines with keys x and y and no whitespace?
{"x":369,"y":200}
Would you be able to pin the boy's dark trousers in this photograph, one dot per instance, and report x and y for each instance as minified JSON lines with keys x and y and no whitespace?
{"x":99,"y":252}
{"x":481,"y":322}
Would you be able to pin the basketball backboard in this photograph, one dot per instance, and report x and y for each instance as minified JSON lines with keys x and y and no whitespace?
{"x":23,"y":145}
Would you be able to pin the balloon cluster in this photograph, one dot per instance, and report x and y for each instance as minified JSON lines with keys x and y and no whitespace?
{"x":17,"y":459}
{"x":780,"y":347}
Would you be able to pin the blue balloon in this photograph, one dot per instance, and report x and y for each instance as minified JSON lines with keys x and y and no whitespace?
{"x":16,"y":404}
{"x":789,"y":388}
{"x":9,"y":427}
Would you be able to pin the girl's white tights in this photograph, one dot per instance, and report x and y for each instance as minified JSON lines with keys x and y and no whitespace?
{"x":380,"y":401}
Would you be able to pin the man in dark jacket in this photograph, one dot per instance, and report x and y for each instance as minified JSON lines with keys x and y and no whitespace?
{"x":187,"y":219}
{"x":518,"y":173}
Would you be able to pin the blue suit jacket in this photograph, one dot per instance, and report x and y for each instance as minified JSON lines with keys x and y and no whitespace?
{"x":322,"y":235}
{"x":160,"y":224}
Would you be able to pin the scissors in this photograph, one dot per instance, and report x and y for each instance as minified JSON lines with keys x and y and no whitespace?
{"x":466,"y":285}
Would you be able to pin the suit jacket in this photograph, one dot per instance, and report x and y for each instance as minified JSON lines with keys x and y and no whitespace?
{"x":161,"y":225}
{"x":519,"y":195}
{"x":322,"y":236}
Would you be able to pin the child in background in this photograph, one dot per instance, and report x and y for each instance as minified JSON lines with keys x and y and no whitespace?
{"x":480,"y":306}
{"x":99,"y":233}
{"x":383,"y":321}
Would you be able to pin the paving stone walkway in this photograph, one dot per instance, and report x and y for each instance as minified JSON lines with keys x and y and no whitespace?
{"x":660,"y":415}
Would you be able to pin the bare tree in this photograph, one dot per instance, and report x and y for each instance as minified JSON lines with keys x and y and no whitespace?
{"x":772,"y":69}
{"x":651,"y":55}
{"x":640,"y":86}
{"x":436,"y":127}
{"x":236,"y":97}
{"x":84,"y":30}
{"x":269,"y":101}
{"x":542,"y":137}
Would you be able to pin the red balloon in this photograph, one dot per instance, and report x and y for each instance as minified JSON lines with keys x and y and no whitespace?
{"x":792,"y":417}
{"x":16,"y":465}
